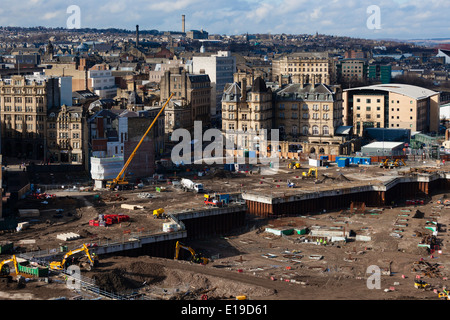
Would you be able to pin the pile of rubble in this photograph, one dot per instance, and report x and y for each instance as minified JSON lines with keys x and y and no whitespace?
{"x":426,"y":269}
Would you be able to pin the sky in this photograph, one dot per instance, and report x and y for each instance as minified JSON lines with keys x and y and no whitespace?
{"x":372,"y":19}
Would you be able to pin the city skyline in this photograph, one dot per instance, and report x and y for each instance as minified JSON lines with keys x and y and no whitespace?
{"x":398,"y":19}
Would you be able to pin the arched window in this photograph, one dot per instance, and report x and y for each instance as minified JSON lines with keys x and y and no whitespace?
{"x":315,"y":130}
{"x":325,"y":131}
{"x":305,"y":130}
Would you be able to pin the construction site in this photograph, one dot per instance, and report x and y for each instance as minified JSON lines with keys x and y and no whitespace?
{"x":210,"y":233}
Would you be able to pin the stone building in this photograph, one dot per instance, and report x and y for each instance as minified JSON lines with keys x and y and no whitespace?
{"x":304,"y":67}
{"x":191,"y":101}
{"x":66,"y":134}
{"x":246,"y":110}
{"x":25,"y":102}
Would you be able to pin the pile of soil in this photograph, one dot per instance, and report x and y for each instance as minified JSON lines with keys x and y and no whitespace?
{"x":129,"y":277}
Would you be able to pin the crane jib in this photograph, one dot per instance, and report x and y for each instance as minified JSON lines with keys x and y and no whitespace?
{"x":130,"y":158}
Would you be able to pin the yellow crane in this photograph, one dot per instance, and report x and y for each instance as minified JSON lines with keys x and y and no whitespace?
{"x":195,"y":257}
{"x":60,"y":265}
{"x":120,"y":179}
{"x":4,"y":268}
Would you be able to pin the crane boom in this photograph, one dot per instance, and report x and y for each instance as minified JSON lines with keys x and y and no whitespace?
{"x":121,"y":176}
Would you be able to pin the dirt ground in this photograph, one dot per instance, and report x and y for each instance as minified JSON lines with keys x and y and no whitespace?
{"x":249,"y":262}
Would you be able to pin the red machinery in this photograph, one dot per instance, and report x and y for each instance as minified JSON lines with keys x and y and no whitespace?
{"x":109,"y":219}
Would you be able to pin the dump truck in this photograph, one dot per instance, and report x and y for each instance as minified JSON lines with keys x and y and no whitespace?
{"x":189,"y":185}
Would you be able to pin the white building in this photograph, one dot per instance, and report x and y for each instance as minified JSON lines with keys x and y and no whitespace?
{"x":102,"y":83}
{"x":445,"y":54}
{"x":220,"y":68}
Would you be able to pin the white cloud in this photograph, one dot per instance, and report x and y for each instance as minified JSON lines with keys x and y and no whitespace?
{"x":399,"y":18}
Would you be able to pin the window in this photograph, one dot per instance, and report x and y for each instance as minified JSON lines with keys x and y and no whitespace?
{"x":368,"y":100}
{"x":315,"y":130}
{"x":305,"y":130}
{"x":325,"y":131}
{"x":368,"y":108}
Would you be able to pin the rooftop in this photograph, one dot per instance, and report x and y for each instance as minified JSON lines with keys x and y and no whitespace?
{"x":403,"y":89}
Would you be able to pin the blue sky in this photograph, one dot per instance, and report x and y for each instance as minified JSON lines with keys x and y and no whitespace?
{"x":401,"y":19}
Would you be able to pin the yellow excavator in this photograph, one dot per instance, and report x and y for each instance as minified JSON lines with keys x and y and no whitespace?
{"x":311,"y":174}
{"x":120,"y":179}
{"x":195,"y":257}
{"x":4,"y":268}
{"x":92,"y":259}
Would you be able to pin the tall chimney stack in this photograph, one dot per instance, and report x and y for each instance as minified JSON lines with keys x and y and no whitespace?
{"x":183,"y":23}
{"x":137,"y":36}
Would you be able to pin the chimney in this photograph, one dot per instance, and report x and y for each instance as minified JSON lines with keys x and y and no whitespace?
{"x":137,"y":36}
{"x":244,"y":89}
{"x":183,"y":23}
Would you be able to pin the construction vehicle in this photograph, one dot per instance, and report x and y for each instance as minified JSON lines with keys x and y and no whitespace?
{"x":159,"y":214}
{"x":396,"y":163}
{"x":109,"y":219}
{"x":384,"y":163}
{"x":195,"y":257}
{"x":444,"y":294}
{"x":189,"y":185}
{"x":91,"y":262}
{"x":311,"y":174}
{"x":420,"y":284}
{"x":216,"y":200}
{"x":294,"y":165}
{"x":120,"y":179}
{"x":4,"y":268}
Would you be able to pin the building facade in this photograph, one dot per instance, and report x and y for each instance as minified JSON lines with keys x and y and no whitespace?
{"x":309,"y":117}
{"x":66,"y":133}
{"x":246,"y":111}
{"x":304,"y":68}
{"x":220,"y":68}
{"x":191,"y":101}
{"x":25,"y":102}
{"x":351,"y":70}
{"x":395,"y":106}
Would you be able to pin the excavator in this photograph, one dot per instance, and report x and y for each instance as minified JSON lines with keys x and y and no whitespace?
{"x":4,"y":268}
{"x":311,"y":174}
{"x":120,"y":179}
{"x":92,"y":259}
{"x":195,"y":257}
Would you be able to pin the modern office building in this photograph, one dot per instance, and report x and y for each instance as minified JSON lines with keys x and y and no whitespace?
{"x":220,"y":68}
{"x":396,"y":106}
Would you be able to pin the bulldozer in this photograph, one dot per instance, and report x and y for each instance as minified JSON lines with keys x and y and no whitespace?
{"x":87,"y":262}
{"x":195,"y":257}
{"x":311,"y":174}
{"x":294,"y":165}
